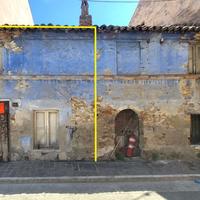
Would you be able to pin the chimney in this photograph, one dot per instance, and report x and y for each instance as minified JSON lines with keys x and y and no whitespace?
{"x":85,"y":18}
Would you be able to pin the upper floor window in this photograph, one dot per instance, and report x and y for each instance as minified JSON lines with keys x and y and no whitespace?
{"x":194,"y":60}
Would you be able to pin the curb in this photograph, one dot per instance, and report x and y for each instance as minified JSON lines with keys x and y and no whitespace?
{"x":95,"y":179}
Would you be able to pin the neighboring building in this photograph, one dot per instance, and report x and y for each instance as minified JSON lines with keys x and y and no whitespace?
{"x":156,"y":13}
{"x":15,"y":12}
{"x":148,"y":83}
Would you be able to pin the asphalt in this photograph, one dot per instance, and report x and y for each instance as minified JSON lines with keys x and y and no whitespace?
{"x":89,"y":171}
{"x":160,"y":190}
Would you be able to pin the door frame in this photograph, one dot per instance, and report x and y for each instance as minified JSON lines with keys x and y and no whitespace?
{"x":135,"y":114}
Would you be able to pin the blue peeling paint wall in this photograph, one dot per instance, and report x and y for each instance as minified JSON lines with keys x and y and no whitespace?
{"x":53,"y":71}
{"x":49,"y":53}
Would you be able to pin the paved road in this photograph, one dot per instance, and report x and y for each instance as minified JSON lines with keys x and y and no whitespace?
{"x":172,"y":190}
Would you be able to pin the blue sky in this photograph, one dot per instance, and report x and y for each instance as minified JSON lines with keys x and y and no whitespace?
{"x":66,"y":12}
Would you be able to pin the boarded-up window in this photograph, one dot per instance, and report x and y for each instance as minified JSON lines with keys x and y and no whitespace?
{"x":128,"y":57}
{"x":194,"y":60}
{"x":195,"y":129}
{"x":46,"y":128}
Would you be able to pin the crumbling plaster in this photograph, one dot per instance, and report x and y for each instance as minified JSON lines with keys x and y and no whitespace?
{"x":164,"y":118}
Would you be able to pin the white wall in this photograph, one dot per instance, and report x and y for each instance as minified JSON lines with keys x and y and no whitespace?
{"x":166,"y":13}
{"x":15,"y":12}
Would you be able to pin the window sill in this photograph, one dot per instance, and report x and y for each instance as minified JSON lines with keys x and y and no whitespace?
{"x":195,"y":146}
{"x":46,"y":150}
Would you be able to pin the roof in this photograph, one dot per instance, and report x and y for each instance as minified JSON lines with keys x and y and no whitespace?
{"x":104,"y":28}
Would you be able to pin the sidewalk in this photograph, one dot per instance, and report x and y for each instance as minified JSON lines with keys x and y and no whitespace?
{"x":102,"y":170}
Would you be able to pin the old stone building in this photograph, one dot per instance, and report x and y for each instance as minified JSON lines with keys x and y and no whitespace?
{"x":148,"y":84}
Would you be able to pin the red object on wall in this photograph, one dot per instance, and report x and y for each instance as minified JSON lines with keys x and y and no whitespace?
{"x":2,"y":108}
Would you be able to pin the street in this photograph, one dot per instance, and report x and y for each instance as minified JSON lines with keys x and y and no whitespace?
{"x":172,"y":190}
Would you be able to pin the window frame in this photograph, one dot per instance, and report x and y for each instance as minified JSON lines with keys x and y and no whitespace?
{"x":48,"y":145}
{"x":197,"y":60}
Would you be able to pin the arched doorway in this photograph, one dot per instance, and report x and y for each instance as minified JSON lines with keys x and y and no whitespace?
{"x":126,"y":126}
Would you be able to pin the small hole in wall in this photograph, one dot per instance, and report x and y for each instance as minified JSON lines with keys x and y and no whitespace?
{"x":161,"y":40}
{"x":15,"y":104}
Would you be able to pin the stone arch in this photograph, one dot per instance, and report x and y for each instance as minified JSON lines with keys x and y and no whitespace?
{"x":126,"y":124}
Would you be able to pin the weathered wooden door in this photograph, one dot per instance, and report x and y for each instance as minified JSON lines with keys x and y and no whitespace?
{"x":4,"y":130}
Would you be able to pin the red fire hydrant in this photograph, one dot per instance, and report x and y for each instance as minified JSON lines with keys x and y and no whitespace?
{"x":131,"y":146}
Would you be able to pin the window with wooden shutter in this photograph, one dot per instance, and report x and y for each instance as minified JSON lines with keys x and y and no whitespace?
{"x":194,"y":59}
{"x":46,"y":128}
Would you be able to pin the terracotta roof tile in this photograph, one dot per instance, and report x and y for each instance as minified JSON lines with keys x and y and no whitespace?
{"x":111,"y":28}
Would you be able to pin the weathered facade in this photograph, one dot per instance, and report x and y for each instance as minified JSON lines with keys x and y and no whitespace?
{"x":148,"y":82}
